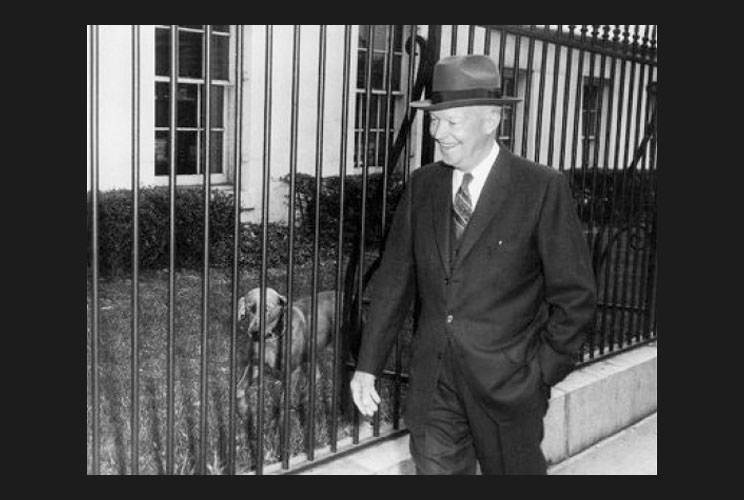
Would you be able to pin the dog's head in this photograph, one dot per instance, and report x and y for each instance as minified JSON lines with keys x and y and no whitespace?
{"x":249,"y":308}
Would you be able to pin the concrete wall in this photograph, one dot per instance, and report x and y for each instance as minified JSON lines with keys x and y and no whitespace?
{"x":591,"y":404}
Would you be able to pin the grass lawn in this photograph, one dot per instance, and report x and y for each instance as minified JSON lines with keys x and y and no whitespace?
{"x":115,"y":376}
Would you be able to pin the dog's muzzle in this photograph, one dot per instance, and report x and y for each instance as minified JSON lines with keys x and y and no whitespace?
{"x":270,"y":334}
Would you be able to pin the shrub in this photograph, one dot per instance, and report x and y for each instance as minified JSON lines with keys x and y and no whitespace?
{"x":620,"y":197}
{"x":115,"y":226}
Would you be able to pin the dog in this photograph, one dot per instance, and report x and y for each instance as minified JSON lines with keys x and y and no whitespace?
{"x":300,"y":318}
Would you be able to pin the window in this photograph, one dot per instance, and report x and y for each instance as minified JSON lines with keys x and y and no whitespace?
{"x":593,"y":108}
{"x":191,"y":99}
{"x":508,"y":111}
{"x":379,"y":54}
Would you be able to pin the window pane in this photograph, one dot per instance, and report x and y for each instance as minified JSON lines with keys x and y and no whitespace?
{"x":216,"y":157}
{"x":218,"y":106}
{"x":187,"y":153}
{"x":162,"y":52}
{"x":398,"y":38}
{"x":161,"y":153}
{"x":374,"y":110}
{"x":361,"y":111}
{"x":381,"y":34}
{"x":185,"y":158}
{"x":397,"y":68}
{"x":188,"y":105}
{"x":361,"y":70}
{"x":162,"y":103}
{"x":378,"y":71}
{"x":190,"y":55}
{"x":363,"y":36}
{"x":220,"y":57}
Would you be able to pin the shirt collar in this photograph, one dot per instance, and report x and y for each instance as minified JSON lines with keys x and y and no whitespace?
{"x":480,"y":173}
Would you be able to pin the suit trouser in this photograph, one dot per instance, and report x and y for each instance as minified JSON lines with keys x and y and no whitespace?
{"x":458,"y":431}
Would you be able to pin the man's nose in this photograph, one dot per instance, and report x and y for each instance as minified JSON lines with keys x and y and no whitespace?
{"x":438,"y":131}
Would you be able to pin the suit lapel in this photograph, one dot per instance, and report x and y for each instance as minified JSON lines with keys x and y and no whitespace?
{"x":490,"y":200}
{"x":441,"y":206}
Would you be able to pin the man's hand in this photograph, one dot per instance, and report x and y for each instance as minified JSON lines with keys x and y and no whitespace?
{"x":364,"y":393}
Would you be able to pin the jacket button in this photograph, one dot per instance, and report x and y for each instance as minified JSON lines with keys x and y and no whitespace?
{"x":450,"y":318}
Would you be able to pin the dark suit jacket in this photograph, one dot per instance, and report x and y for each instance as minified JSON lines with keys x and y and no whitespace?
{"x":517,"y":301}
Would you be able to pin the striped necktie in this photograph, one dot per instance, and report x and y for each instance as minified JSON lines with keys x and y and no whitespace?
{"x":462,"y":207}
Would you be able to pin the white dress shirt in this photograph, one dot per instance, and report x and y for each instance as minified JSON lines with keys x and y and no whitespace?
{"x":480,"y":173}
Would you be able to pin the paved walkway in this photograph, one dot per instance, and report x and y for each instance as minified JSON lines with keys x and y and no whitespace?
{"x":630,"y":452}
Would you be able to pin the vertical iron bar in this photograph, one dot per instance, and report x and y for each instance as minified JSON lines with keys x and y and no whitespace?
{"x":611,"y":304}
{"x":204,"y":407}
{"x":640,"y":131}
{"x":631,"y":263}
{"x":290,"y":246}
{"x":487,"y":45}
{"x":238,"y":165}
{"x":135,"y":245}
{"x":528,"y":92}
{"x":409,"y":94}
{"x":363,"y":210}
{"x":643,"y":301}
{"x":471,"y":38}
{"x":541,"y":94}
{"x":406,"y":173}
{"x":609,"y":219}
{"x":577,"y":109}
{"x":554,"y":97}
{"x":432,"y":53}
{"x":603,"y":223}
{"x":627,"y":211}
{"x":517,"y":56}
{"x":586,"y":166}
{"x":566,"y":98}
{"x":453,"y":46}
{"x":171,"y":362}
{"x":502,"y":58}
{"x":598,"y":122}
{"x":337,"y":352}
{"x":585,"y":140}
{"x":388,"y":118}
{"x":577,"y":119}
{"x":650,"y":298}
{"x":265,"y":192}
{"x":316,"y":240}
{"x":94,"y":167}
{"x":386,"y":168}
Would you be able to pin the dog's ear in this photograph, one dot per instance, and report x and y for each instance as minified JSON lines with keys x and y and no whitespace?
{"x":241,"y":308}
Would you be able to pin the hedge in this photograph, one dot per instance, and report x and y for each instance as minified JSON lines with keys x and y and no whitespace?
{"x":621,"y":192}
{"x":115,"y":226}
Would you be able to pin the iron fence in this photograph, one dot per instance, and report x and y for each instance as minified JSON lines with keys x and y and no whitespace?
{"x":589,"y":110}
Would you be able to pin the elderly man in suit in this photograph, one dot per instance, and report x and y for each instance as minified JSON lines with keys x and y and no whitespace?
{"x":492,"y":247}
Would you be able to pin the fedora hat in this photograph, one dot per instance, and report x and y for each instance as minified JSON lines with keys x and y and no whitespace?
{"x":471,"y":80}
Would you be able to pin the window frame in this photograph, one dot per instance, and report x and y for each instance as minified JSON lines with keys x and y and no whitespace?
{"x":228,"y":99}
{"x":377,"y":125}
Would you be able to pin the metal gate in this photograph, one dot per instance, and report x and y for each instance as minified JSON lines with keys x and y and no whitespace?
{"x":168,"y":355}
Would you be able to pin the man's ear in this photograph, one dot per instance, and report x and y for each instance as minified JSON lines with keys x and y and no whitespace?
{"x":282,"y":300}
{"x":493,"y":120}
{"x":241,"y":308}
